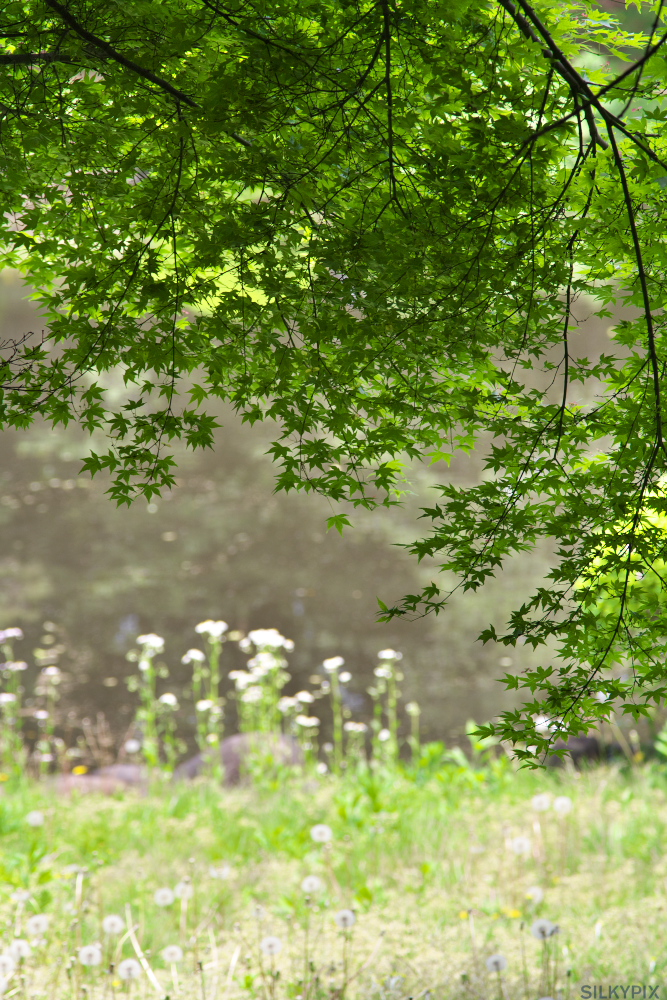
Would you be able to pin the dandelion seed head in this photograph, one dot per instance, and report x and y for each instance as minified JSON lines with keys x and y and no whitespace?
{"x":38,"y":924}
{"x":35,"y":818}
{"x":271,"y":945}
{"x":321,"y":833}
{"x":221,"y":872}
{"x":113,"y":924}
{"x":496,"y":963}
{"x":535,"y":894}
{"x":90,"y":954}
{"x":312,"y":884}
{"x":520,"y":845}
{"x":7,"y":965}
{"x":345,"y":919}
{"x":322,"y":768}
{"x":129,"y":968}
{"x":184,"y":890}
{"x":541,"y":802}
{"x":20,"y":896}
{"x":543,"y":929}
{"x":164,"y":897}
{"x":20,"y":949}
{"x":172,"y":954}
{"x":562,"y":805}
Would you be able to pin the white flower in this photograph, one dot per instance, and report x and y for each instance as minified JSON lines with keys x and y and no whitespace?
{"x":172,"y":953}
{"x":132,"y":746}
{"x":129,"y":968}
{"x":35,"y":818}
{"x":10,"y":633}
{"x":151,"y":643}
{"x":543,"y":929}
{"x":562,"y":805}
{"x":383,"y":672}
{"x":344,"y":676}
{"x":520,"y":845}
{"x":90,"y":954}
{"x":268,"y":638}
{"x":307,"y":721}
{"x":215,"y":630}
{"x":7,"y":965}
{"x":19,"y":949}
{"x":184,"y":890}
{"x":312,"y":884}
{"x":245,"y":645}
{"x":541,"y":802}
{"x":262,"y":663}
{"x":384,"y":735}
{"x":223,"y":872}
{"x":535,"y":895}
{"x":496,"y":963}
{"x":389,"y":654}
{"x":322,"y":768}
{"x":287,"y":704}
{"x":113,"y":924}
{"x":305,"y":697}
{"x":50,"y":672}
{"x":168,"y":699}
{"x":6,"y":698}
{"x":321,"y":833}
{"x":271,"y":945}
{"x":41,"y":714}
{"x":193,"y":656}
{"x":20,"y":896}
{"x":345,"y":918}
{"x":16,"y":665}
{"x":412,"y":708}
{"x":252,"y":695}
{"x":333,"y":663}
{"x":355,"y":727}
{"x":204,"y":705}
{"x":38,"y":924}
{"x":601,"y":696}
{"x":164,"y":897}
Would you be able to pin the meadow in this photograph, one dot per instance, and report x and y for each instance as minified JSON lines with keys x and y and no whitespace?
{"x":363,"y":874}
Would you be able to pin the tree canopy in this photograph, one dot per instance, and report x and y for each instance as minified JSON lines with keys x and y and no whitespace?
{"x":368,"y":221}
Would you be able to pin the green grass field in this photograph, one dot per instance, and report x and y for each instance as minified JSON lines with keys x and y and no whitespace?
{"x":443,"y":872}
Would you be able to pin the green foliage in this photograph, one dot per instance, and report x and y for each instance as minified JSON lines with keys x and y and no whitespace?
{"x":369,"y":222}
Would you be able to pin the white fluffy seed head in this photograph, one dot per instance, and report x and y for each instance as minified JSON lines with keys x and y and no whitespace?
{"x":271,"y":945}
{"x":345,"y":919}
{"x":129,"y":968}
{"x":164,"y":897}
{"x":90,"y":954}
{"x":20,"y":949}
{"x":35,"y":818}
{"x":496,"y":963}
{"x":312,"y":884}
{"x":321,"y":833}
{"x":184,"y":890}
{"x":172,"y":953}
{"x":38,"y":924}
{"x":543,"y":929}
{"x":113,"y":924}
{"x":7,"y":965}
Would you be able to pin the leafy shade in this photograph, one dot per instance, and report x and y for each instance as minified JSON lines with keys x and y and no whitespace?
{"x":367,"y":221}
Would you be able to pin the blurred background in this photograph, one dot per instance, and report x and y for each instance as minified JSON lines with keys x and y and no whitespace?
{"x":82,"y":578}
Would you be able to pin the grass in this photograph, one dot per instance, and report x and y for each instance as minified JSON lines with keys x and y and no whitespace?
{"x":428,"y":864}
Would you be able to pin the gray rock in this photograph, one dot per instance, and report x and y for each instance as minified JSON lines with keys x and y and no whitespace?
{"x":234,"y":753}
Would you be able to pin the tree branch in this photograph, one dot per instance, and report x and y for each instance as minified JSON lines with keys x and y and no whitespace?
{"x":118,"y":57}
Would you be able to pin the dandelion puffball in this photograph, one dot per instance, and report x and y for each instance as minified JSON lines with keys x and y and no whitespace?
{"x":543,"y":929}
{"x":129,"y":968}
{"x":164,"y":897}
{"x":541,"y":802}
{"x":520,"y":845}
{"x":345,"y":919}
{"x":20,"y":948}
{"x":562,"y":805}
{"x":90,"y":954}
{"x":224,"y":871}
{"x":35,"y":818}
{"x":38,"y":924}
{"x":20,"y":896}
{"x":184,"y":890}
{"x":7,"y":965}
{"x":321,"y":833}
{"x":172,"y":953}
{"x":496,"y":963}
{"x":132,"y":746}
{"x":535,"y":895}
{"x":113,"y":924}
{"x":271,"y":945}
{"x":312,"y":884}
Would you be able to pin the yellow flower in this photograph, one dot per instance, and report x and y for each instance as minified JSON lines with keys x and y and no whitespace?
{"x":464,"y":914}
{"x":4,"y":777}
{"x":80,"y":769}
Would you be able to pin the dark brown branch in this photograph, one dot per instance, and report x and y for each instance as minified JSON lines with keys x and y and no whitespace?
{"x":118,"y":57}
